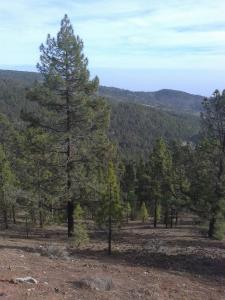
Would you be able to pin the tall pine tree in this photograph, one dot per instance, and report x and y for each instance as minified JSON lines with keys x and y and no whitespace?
{"x":69,"y":109}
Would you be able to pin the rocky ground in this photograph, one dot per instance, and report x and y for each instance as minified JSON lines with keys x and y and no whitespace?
{"x":146,"y":263}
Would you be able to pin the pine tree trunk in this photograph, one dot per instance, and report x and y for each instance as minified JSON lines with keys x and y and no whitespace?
{"x":70,"y":210}
{"x":176,"y":220}
{"x":70,"y":205}
{"x":33,"y":216}
{"x":110,"y":236}
{"x":39,"y":200}
{"x":40,"y":215}
{"x":110,"y":224}
{"x":5,"y":217}
{"x":14,"y":214}
{"x":27,"y":228}
{"x":211,"y":227}
{"x":166,"y":217}
{"x":171,"y":218}
{"x":155,"y":214}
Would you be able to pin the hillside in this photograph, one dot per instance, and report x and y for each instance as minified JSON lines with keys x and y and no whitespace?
{"x":164,"y":99}
{"x":134,"y":126}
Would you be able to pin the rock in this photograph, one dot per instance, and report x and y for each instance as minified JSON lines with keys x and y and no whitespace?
{"x":27,"y":279}
{"x":99,"y":284}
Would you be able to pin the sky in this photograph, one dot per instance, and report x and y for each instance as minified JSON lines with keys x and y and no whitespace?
{"x":133,"y":44}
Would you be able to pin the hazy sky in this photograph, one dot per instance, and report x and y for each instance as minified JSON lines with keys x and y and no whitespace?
{"x":135,"y":44}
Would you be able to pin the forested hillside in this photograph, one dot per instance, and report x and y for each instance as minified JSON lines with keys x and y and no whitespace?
{"x":133,"y":127}
{"x":164,"y":99}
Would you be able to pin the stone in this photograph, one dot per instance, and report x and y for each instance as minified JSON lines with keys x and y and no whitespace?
{"x":27,"y":279}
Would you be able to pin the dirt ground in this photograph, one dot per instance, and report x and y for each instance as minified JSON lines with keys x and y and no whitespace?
{"x":146,"y":263}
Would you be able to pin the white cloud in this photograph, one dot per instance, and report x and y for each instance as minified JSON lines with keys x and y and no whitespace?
{"x":147,"y":34}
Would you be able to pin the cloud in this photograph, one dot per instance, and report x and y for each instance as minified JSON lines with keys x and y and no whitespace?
{"x":119,"y":34}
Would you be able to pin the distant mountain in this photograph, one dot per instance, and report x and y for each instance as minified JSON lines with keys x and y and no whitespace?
{"x":21,"y":77}
{"x":137,"y":118}
{"x":165,"y":99}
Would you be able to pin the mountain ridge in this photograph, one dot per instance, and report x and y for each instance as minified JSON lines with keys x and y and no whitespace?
{"x":167,"y":99}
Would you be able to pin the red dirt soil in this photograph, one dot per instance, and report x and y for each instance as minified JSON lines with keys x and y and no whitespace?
{"x":146,"y":263}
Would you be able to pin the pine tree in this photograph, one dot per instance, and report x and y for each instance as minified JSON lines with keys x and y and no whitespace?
{"x":213,"y":128}
{"x":110,"y":211}
{"x":128,"y":185}
{"x":206,"y":188}
{"x":143,"y":214}
{"x":10,"y":142}
{"x":81,"y":234}
{"x":7,"y":182}
{"x":40,"y":166}
{"x":69,"y":109}
{"x":182,"y":165}
{"x":160,"y":172}
{"x":127,"y":210}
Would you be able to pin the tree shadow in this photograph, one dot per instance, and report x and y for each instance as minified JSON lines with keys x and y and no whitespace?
{"x":196,"y":263}
{"x":197,"y":243}
{"x":199,"y":266}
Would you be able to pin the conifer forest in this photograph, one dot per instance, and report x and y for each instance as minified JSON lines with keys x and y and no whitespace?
{"x":107,"y":193}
